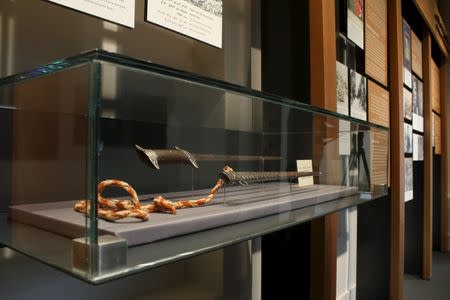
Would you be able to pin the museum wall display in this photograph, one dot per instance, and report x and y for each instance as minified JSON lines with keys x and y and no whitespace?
{"x":143,"y":139}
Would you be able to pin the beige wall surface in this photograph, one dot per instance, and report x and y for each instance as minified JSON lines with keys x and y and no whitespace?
{"x":34,"y":32}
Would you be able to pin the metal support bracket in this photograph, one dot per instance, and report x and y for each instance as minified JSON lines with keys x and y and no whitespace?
{"x":110,"y":254}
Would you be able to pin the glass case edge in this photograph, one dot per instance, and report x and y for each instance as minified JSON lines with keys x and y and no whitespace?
{"x":92,"y":166}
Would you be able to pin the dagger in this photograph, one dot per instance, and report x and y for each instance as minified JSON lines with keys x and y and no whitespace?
{"x":155,"y":156}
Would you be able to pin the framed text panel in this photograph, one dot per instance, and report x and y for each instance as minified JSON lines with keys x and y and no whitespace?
{"x":435,"y":88}
{"x":416,"y":49}
{"x":378,"y":104}
{"x":376,"y":41}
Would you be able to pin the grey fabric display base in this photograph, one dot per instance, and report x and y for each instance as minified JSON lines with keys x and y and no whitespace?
{"x":231,"y":205}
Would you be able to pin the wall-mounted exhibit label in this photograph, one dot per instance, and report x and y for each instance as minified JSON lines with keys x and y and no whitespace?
{"x":118,"y":11}
{"x":199,"y":19}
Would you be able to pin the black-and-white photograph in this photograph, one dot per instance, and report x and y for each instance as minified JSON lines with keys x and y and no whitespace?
{"x":342,"y":88}
{"x":358,"y":96}
{"x":408,"y":134}
{"x":407,"y":54}
{"x":417,"y":147}
{"x":407,"y":104}
{"x":408,"y":178}
{"x":417,"y":97}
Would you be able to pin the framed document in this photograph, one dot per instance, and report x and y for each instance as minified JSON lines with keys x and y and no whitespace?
{"x":407,"y":80}
{"x":408,"y":138}
{"x":355,"y":22}
{"x":117,"y":11}
{"x":435,"y":87}
{"x":342,"y":88}
{"x":378,"y":103}
{"x":416,"y":54}
{"x":417,"y":147}
{"x":407,"y":104}
{"x":437,"y":134}
{"x":417,"y":96}
{"x":376,"y":44}
{"x":198,"y":19}
{"x":358,"y":96}
{"x":408,"y":178}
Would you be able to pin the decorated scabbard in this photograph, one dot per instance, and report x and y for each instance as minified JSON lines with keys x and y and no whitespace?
{"x":155,"y":156}
{"x":232,"y":177}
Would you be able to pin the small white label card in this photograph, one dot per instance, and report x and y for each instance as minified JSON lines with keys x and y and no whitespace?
{"x":305,"y":165}
{"x":199,"y":19}
{"x":117,"y":11}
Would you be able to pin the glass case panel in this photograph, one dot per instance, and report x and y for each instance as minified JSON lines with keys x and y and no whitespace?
{"x":113,"y":165}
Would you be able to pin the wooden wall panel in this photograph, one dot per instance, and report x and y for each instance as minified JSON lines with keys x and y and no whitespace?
{"x":323,"y":94}
{"x":428,"y":159}
{"x":376,"y":40}
{"x":435,"y":87}
{"x":416,"y":50}
{"x":378,"y":104}
{"x":396,"y":149}
{"x":323,"y":53}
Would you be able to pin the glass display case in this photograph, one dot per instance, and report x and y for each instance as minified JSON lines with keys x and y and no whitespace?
{"x":110,"y":165}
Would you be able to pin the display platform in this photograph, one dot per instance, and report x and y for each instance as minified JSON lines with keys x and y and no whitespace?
{"x":259,"y":200}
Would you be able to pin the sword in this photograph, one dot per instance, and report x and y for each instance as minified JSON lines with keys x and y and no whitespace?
{"x":244,"y":178}
{"x":155,"y":156}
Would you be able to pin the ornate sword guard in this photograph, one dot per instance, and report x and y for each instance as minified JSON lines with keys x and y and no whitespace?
{"x":177,"y":154}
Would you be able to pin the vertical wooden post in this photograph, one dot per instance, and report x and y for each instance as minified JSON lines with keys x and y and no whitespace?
{"x":323,"y":94}
{"x":322,"y":24}
{"x":444,"y":171}
{"x":428,"y":159}
{"x":397,"y":150}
